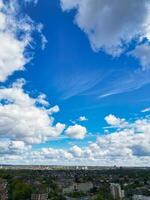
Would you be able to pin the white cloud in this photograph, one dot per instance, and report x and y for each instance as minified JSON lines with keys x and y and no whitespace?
{"x":42,"y":100}
{"x":111,"y":25}
{"x":24,"y":122}
{"x":126,"y":147}
{"x":129,"y":146}
{"x":13,"y":147}
{"x":76,"y":131}
{"x":132,"y":140}
{"x":15,"y":37}
{"x":17,"y":147}
{"x":51,"y":153}
{"x":54,"y":109}
{"x":146,"y":110}
{"x":31,"y":1}
{"x":76,"y":151}
{"x":142,"y":53}
{"x":82,"y":119}
{"x":11,"y":56}
{"x":114,"y":121}
{"x":21,"y":119}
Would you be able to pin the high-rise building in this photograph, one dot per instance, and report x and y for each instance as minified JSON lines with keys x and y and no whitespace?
{"x":116,"y":191}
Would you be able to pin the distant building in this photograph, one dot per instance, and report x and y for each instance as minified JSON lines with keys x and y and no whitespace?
{"x":83,"y":187}
{"x":3,"y":189}
{"x":64,"y":183}
{"x":116,"y":191}
{"x":82,"y":198}
{"x":39,"y":196}
{"x":70,"y":188}
{"x":140,"y":197}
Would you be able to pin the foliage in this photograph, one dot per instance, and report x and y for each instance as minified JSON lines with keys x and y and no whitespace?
{"x":77,"y":194}
{"x":20,"y":190}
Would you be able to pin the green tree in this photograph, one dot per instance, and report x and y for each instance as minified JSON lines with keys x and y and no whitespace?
{"x":20,"y":190}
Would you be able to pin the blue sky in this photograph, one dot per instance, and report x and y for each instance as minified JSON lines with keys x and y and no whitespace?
{"x":79,"y":73}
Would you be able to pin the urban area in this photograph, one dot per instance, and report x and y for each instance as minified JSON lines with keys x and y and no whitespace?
{"x":74,"y":183}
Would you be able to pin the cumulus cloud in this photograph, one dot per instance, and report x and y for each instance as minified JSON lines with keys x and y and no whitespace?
{"x":76,"y":151}
{"x":82,"y":119}
{"x":111,"y":25}
{"x":18,"y":147}
{"x":54,"y":109}
{"x":128,"y":147}
{"x":76,"y":131}
{"x":131,"y":141}
{"x":42,"y":100}
{"x":51,"y":153}
{"x":21,"y":119}
{"x":15,"y":30}
{"x":115,"y":121}
{"x":13,"y":147}
{"x":142,"y":53}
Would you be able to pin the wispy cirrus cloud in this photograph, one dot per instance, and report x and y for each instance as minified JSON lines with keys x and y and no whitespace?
{"x":104,"y":85}
{"x":126,"y":83}
{"x":145,"y":110}
{"x":119,"y":82}
{"x":77,"y":82}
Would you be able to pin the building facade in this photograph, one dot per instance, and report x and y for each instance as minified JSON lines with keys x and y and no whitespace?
{"x":3,"y":189}
{"x":116,"y":191}
{"x":140,"y":197}
{"x":39,"y":196}
{"x":83,"y":187}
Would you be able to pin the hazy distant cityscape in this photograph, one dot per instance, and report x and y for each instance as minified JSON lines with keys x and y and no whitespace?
{"x":74,"y":183}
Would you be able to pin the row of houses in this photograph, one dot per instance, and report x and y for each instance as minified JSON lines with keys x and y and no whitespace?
{"x":85,"y":187}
